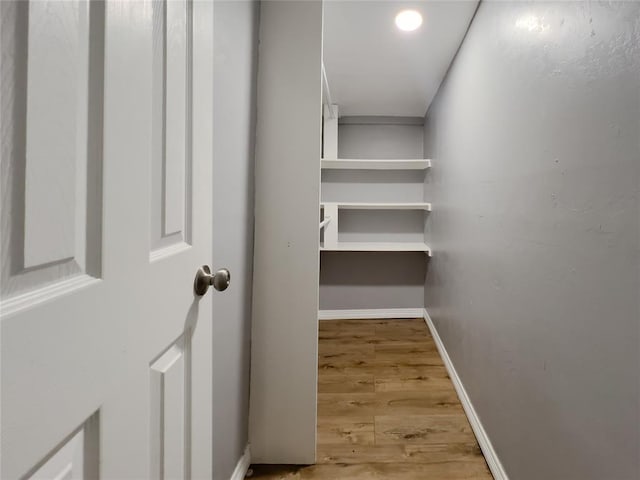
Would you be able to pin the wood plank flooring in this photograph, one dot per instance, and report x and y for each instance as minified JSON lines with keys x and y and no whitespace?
{"x":386,"y":409}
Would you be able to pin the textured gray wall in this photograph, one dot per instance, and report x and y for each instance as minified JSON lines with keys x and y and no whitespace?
{"x":366,"y":280}
{"x":380,"y":141}
{"x":235,"y":50}
{"x":534,"y":285}
{"x":362,"y":280}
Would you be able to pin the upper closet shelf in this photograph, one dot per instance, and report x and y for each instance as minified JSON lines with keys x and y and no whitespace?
{"x":377,"y":206}
{"x":358,"y":164}
{"x":377,"y":247}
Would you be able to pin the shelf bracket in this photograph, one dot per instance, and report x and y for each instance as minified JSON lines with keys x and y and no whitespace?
{"x":330,"y":135}
{"x":331,"y":228}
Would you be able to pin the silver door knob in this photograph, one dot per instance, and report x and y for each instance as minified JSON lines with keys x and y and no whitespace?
{"x":220,"y":280}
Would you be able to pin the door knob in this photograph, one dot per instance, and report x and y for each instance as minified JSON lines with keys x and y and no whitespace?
{"x":220,"y":280}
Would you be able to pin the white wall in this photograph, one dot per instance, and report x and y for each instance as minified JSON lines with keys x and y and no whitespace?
{"x":534,"y":283}
{"x":235,"y":50}
{"x":363,"y":280}
{"x":282,"y":427}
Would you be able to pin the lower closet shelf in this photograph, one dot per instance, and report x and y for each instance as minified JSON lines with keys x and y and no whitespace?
{"x":378,"y":247}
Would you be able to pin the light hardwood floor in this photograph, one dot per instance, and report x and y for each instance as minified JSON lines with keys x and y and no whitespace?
{"x":386,"y":408}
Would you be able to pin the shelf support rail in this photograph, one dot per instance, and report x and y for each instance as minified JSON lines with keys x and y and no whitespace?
{"x":330,"y":119}
{"x":330,"y":132}
{"x":327,"y":93}
{"x":331,"y":227}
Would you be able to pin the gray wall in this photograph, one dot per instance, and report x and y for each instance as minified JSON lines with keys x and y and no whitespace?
{"x":380,"y":141}
{"x":363,"y":280}
{"x":534,"y":284}
{"x":235,"y":49}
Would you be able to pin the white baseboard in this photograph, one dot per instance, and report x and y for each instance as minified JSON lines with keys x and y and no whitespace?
{"x":490,"y":455}
{"x":242,"y":466}
{"x":371,"y":313}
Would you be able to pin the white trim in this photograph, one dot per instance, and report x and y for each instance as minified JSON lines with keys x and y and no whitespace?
{"x":377,"y":164}
{"x":371,"y":313}
{"x":242,"y":466}
{"x":490,"y":455}
{"x":379,"y":206}
{"x":327,"y":93}
{"x":380,"y":120}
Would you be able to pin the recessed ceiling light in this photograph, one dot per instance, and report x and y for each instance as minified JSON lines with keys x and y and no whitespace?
{"x":408,"y":20}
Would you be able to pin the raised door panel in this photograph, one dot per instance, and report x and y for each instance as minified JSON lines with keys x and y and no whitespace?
{"x":170,"y":398}
{"x":171,"y":163}
{"x":52,"y":83}
{"x":76,"y":458}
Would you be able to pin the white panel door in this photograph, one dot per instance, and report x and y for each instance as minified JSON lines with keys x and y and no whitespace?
{"x":105,"y":123}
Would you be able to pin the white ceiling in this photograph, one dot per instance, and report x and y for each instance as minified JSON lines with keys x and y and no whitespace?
{"x":373,"y":68}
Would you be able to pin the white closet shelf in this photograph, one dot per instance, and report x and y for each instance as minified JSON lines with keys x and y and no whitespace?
{"x":378,"y":247}
{"x":363,"y":164}
{"x":378,"y":206}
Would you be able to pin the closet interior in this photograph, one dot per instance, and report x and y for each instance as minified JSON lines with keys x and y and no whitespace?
{"x":372,"y":194}
{"x":383,"y":63}
{"x":374,"y":209}
{"x":381,"y":380}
